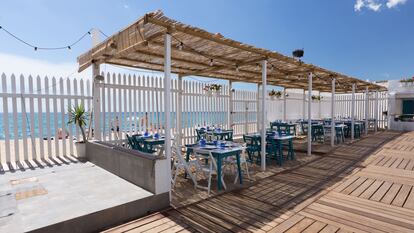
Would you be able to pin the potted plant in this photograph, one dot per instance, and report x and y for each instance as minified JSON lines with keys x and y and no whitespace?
{"x":212,"y":89}
{"x":316,"y":98}
{"x":78,"y":116}
{"x":407,"y":82}
{"x":275,"y":94}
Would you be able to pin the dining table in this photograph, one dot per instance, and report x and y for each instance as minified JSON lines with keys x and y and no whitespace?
{"x":280,"y":140}
{"x":338,"y":127}
{"x":219,"y":153}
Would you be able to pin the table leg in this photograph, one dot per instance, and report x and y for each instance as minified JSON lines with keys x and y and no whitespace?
{"x":280,"y":145}
{"x":239,"y":167}
{"x":187,"y":158}
{"x":219,"y":172}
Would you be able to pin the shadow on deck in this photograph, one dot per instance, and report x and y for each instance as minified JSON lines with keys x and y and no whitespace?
{"x":272,"y":201}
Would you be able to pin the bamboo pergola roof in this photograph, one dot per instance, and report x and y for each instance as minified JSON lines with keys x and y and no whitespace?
{"x":196,"y":52}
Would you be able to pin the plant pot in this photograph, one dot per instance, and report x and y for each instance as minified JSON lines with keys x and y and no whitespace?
{"x":81,"y":149}
{"x":216,"y":93}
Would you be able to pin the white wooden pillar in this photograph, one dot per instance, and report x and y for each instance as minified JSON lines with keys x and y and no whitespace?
{"x":263,"y":116}
{"x":179,"y":113}
{"x":284,"y":105}
{"x":333,"y":133}
{"x":366,"y":110}
{"x":230,"y":106}
{"x":376,"y":112}
{"x":304,"y":105}
{"x":353,"y":112}
{"x":95,"y":92}
{"x":258,"y":108}
{"x":310,"y":114}
{"x":167,"y":108}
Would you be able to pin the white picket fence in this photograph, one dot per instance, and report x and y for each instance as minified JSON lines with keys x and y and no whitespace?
{"x":32,"y":116}
{"x":34,"y":109}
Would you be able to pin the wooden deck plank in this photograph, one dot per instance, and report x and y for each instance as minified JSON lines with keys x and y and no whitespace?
{"x":362,"y":187}
{"x":391,"y":194}
{"x":402,"y":195}
{"x":301,"y":225}
{"x":359,"y":219}
{"x":379,"y":194}
{"x":409,"y":203}
{"x":316,"y":226}
{"x":371,"y":189}
{"x":354,"y":185}
{"x":286,"y":225}
{"x":329,"y":229}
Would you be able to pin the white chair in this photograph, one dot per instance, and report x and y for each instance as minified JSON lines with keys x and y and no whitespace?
{"x":179,"y":163}
{"x":208,"y":169}
{"x":244,"y":164}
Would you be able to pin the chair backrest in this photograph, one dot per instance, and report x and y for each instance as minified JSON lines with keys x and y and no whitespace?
{"x":139,"y":142}
{"x":131,"y":142}
{"x":177,"y":153}
{"x":252,"y":141}
{"x":200,"y":133}
{"x":304,"y":126}
{"x":229,"y":136}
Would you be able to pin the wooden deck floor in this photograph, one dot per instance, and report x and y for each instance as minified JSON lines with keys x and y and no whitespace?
{"x":363,"y":187}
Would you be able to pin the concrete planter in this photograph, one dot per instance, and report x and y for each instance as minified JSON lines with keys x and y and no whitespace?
{"x":81,"y":149}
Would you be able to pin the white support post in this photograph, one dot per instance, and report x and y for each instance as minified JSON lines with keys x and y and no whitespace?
{"x":319,"y":107}
{"x":366,"y":110}
{"x":96,"y":95}
{"x":179,"y":113}
{"x":230,"y":106}
{"x":310,"y":114}
{"x":304,"y":105}
{"x":263,"y":116}
{"x":353,"y":113}
{"x":284,"y":105}
{"x":333,"y":133}
{"x":258,"y":108}
{"x":376,"y":112}
{"x":167,"y":107}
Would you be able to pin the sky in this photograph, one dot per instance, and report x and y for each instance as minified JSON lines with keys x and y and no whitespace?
{"x":367,"y":39}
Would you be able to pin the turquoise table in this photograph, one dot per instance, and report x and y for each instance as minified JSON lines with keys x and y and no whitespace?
{"x":280,"y":141}
{"x":219,"y":154}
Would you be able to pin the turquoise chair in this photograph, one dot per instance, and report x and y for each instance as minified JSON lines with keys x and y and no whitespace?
{"x":253,"y":147}
{"x":318,"y":134}
{"x":200,"y":133}
{"x":229,"y":136}
{"x":132,"y":144}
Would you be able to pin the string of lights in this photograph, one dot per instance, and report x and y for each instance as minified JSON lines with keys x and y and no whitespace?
{"x":35,"y":47}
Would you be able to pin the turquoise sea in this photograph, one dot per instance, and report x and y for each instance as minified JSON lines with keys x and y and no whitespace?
{"x":189,"y":119}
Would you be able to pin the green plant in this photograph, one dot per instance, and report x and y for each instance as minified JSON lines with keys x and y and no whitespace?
{"x":213,"y":87}
{"x":274,"y":93}
{"x":408,"y":80}
{"x":78,"y":116}
{"x":317,"y":97}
